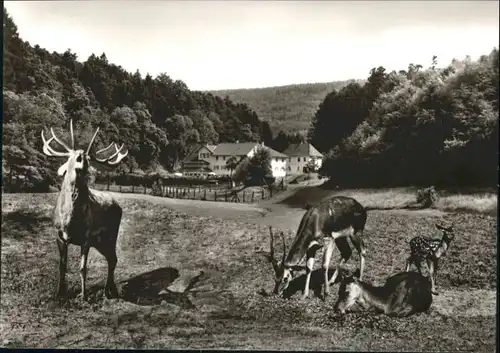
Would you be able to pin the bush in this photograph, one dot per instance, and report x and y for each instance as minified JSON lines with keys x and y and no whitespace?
{"x":427,"y":197}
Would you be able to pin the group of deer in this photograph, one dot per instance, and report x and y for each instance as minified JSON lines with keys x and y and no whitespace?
{"x":90,"y":218}
{"x":337,"y":220}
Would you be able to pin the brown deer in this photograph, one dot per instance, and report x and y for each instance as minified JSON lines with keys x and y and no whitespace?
{"x":403,"y":294}
{"x":82,"y":216}
{"x":424,"y":249}
{"x":335,"y":220}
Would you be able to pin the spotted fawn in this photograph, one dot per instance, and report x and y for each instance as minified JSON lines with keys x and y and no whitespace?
{"x":430,"y":250}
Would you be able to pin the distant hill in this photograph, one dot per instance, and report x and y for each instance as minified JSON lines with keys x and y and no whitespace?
{"x":288,"y":108}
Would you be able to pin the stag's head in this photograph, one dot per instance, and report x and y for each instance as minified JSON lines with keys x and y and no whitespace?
{"x":283,"y":275}
{"x":446,"y":227}
{"x":77,"y":166}
{"x":349,"y":293}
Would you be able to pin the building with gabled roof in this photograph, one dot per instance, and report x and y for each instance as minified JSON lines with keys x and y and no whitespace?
{"x":300,"y":155}
{"x":210,"y":158}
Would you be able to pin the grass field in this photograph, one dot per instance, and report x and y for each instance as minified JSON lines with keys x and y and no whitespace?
{"x":481,"y":201}
{"x":164,"y":242}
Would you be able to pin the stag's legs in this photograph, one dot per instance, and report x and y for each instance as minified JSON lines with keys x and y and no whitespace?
{"x":309,"y":268}
{"x":359,"y":244}
{"x":63,"y":265}
{"x":345,"y":253}
{"x":111,"y":291}
{"x":430,"y":264}
{"x":408,"y":263}
{"x":84,"y":255}
{"x":327,"y":255}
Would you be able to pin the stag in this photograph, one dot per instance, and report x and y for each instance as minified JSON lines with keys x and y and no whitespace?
{"x":335,"y":220}
{"x":83,"y":216}
{"x":403,"y":294}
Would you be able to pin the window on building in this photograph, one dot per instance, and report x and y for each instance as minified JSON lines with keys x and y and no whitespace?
{"x":223,"y":158}
{"x":304,"y":159}
{"x":216,"y":158}
{"x":289,"y":169}
{"x":298,"y":159}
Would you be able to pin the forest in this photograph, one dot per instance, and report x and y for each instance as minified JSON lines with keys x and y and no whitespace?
{"x":158,"y":119}
{"x":432,"y":126}
{"x":419,"y":126}
{"x":286,"y":108}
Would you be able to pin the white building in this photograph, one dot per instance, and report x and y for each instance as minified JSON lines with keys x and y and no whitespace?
{"x":299,"y":155}
{"x":210,"y":158}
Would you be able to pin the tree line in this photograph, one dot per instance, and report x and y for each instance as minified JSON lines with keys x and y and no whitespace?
{"x":415,"y":126}
{"x":158,"y":119}
{"x":432,"y":126}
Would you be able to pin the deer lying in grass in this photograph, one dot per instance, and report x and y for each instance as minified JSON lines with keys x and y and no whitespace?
{"x":430,"y":250}
{"x":403,"y":294}
{"x":82,"y":216}
{"x":335,"y":220}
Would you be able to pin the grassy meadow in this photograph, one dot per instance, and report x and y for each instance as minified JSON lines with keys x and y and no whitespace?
{"x":217,"y":248}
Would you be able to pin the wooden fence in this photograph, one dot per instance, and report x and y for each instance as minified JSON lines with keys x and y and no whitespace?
{"x":202,"y":193}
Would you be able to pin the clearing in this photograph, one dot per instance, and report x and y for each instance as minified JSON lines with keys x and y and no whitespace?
{"x":206,"y":254}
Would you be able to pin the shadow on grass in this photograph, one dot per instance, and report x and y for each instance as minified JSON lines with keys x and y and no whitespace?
{"x":149,"y":288}
{"x":22,"y":223}
{"x":316,"y":283}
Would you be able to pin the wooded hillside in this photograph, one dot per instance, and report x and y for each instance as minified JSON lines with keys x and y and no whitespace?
{"x":415,"y":126}
{"x":286,"y":108}
{"x":157,"y":118}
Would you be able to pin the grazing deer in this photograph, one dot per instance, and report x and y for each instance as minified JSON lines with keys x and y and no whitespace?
{"x":430,"y":250}
{"x":403,"y":294}
{"x":335,"y":220}
{"x":82,"y":216}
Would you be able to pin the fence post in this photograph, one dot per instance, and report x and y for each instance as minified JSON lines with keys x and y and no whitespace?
{"x":133,"y":188}
{"x":253,"y":195}
{"x":205,"y":194}
{"x":194,"y":193}
{"x":244,"y":192}
{"x":120,"y":187}
{"x":215,"y":196}
{"x":144,"y":189}
{"x":225,"y":197}
{"x":109,"y":180}
{"x":271,"y":191}
{"x":262,"y":192}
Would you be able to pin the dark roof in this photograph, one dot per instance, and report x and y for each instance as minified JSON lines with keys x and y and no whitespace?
{"x":275,"y":153}
{"x":193,"y":154}
{"x":234,"y":149}
{"x":302,"y":150}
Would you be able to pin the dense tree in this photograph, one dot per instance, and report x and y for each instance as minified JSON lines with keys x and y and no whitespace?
{"x":259,"y":168}
{"x":157,"y":118}
{"x":432,"y":126}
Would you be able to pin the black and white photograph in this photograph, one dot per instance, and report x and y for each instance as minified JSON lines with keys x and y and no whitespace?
{"x":250,"y":175}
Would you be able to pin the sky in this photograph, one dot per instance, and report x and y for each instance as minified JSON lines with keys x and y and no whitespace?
{"x":245,"y":44}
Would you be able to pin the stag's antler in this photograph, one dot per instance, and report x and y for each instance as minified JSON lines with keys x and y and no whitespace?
{"x":119,"y":156}
{"x":270,"y":256}
{"x":49,"y":151}
{"x":284,"y":247}
{"x":92,"y":140}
